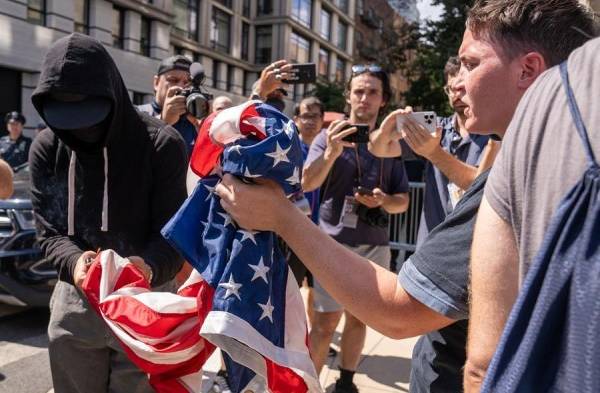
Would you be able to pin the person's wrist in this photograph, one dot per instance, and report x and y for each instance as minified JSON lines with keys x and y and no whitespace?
{"x":330,"y":154}
{"x":434,"y":154}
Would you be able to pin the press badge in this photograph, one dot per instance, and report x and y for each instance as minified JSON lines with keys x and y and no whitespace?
{"x":349,"y":216}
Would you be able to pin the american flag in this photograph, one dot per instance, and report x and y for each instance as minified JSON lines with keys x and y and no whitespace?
{"x":241,"y":296}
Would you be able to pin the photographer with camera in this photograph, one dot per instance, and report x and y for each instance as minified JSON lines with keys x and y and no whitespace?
{"x":358,"y":191}
{"x":178,"y":98}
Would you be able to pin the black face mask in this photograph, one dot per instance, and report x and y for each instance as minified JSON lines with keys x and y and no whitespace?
{"x":89,"y":138}
{"x":90,"y":135}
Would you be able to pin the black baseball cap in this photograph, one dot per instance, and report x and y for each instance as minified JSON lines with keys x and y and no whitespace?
{"x":177,"y":62}
{"x":14,"y":115}
{"x":75,"y":115}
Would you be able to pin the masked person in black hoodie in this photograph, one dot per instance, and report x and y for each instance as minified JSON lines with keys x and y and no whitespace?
{"x":103,"y":176}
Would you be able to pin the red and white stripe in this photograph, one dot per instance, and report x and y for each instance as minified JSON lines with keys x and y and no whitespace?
{"x":170,"y":336}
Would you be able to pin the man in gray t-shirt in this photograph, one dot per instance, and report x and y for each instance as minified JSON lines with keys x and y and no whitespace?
{"x":542,"y":156}
{"x":541,"y":160}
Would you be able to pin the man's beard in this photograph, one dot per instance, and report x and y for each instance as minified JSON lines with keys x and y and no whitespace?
{"x":364,"y":117}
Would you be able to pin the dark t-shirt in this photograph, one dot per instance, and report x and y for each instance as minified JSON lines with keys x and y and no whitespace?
{"x":341,"y":182}
{"x":187,"y":130}
{"x":15,"y":153}
{"x":437,"y":275}
{"x":437,"y":203}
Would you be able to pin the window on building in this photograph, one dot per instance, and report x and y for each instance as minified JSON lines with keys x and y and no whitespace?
{"x":360,"y":7}
{"x":81,"y":17}
{"x":140,"y":98}
{"x":36,"y":12}
{"x":226,"y":3}
{"x":219,"y":32}
{"x":340,"y":70}
{"x":325,"y":24}
{"x":264,"y":43}
{"x":249,"y":79}
{"x":342,"y":5}
{"x":324,"y":62}
{"x":302,"y":11}
{"x":245,"y":40}
{"x":185,"y":22}
{"x":230,"y":78}
{"x":264,"y":7}
{"x":246,"y":8}
{"x":146,"y":27}
{"x":118,"y":26}
{"x":216,"y":74}
{"x":342,"y":38}
{"x":299,"y":49}
{"x":299,"y":53}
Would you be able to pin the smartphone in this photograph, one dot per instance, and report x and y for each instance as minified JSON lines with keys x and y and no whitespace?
{"x":360,"y":136}
{"x":364,"y":191}
{"x":426,"y":119}
{"x":302,"y":73}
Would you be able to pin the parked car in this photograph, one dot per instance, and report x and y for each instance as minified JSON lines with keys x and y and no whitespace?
{"x":26,"y":279}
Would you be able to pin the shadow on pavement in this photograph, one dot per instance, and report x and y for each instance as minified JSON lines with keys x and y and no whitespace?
{"x":386,"y":370}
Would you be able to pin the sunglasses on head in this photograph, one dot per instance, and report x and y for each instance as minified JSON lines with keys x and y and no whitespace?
{"x":361,"y":68}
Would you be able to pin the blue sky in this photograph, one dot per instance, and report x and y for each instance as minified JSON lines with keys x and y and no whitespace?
{"x":427,"y":10}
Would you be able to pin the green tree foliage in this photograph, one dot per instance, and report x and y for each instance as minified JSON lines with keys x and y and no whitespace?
{"x":331,"y":95}
{"x":437,"y":41}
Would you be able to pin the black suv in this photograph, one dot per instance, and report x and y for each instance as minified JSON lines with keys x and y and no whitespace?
{"x":26,"y":279}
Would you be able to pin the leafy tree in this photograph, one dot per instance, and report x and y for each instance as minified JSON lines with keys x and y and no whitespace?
{"x":436,"y":42}
{"x":331,"y":94}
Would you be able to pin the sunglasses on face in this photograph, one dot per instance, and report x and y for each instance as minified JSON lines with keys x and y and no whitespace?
{"x":361,"y":68}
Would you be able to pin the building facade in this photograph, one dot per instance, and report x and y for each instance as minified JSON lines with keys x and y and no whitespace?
{"x":374,"y":19}
{"x":233,"y":39}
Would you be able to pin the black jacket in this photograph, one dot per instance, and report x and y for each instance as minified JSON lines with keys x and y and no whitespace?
{"x":119,"y":202}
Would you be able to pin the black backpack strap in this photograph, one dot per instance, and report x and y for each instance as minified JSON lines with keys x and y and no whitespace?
{"x":576,"y":114}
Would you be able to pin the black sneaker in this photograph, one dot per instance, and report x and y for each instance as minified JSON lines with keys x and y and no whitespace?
{"x":332,"y":352}
{"x":344,"y":388}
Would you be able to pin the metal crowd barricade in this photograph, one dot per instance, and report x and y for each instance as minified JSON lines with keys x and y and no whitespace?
{"x":405,"y":227}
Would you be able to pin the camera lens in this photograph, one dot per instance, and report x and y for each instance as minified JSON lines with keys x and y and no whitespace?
{"x":197,"y":105}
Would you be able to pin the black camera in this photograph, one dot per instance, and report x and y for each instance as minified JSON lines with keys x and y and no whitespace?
{"x":375,"y":217}
{"x":197,"y":100}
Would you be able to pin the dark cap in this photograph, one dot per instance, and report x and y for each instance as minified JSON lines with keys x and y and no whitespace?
{"x":177,"y":62}
{"x":77,"y":114}
{"x":14,"y":115}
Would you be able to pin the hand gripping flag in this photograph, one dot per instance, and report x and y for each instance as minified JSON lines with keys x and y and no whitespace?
{"x":242,"y":296}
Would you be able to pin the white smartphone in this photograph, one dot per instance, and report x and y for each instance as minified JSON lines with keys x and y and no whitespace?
{"x":426,"y":119}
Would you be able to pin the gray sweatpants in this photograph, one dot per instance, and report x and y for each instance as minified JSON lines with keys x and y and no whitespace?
{"x":84,"y":355}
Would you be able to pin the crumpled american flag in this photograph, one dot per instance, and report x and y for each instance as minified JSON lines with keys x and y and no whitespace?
{"x":241,"y":295}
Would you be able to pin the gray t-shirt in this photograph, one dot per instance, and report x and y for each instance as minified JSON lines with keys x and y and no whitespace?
{"x":542,"y":156}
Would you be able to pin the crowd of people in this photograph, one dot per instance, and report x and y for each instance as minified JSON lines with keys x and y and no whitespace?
{"x":107,"y":175}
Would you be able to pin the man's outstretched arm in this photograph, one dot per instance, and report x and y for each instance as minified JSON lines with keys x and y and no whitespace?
{"x":369,"y":292}
{"x":494,"y":287}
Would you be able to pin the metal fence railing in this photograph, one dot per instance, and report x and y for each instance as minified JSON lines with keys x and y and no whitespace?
{"x":405,"y":227}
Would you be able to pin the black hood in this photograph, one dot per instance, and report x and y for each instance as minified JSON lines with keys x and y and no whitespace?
{"x":79,"y":64}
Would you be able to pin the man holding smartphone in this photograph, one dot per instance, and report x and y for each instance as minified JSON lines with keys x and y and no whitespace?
{"x":452,"y":155}
{"x":358,"y":220}
{"x":430,"y":294}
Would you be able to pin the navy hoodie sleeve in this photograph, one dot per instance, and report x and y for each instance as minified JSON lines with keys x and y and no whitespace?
{"x":169,"y":167}
{"x":61,"y":250}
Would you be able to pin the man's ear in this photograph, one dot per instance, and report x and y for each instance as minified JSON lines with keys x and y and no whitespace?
{"x":531,"y":66}
{"x":155,"y":82}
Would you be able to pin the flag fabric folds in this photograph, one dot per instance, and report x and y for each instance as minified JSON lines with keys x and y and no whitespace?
{"x":241,"y":297}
